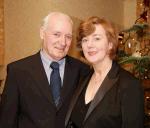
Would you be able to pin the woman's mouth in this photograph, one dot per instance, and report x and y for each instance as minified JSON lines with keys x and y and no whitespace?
{"x":92,"y":53}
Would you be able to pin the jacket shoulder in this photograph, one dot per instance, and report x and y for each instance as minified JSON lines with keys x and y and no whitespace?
{"x":81,"y":67}
{"x":77,"y":62}
{"x":126,"y":75}
{"x":128,"y":80}
{"x":24,"y":62}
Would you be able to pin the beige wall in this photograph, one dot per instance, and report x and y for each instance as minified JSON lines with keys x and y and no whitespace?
{"x":129,"y":13}
{"x":23,"y":18}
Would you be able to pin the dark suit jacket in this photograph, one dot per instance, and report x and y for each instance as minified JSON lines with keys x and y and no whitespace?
{"x":27,"y":100}
{"x":118,"y":103}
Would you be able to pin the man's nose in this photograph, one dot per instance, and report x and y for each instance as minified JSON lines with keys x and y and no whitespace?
{"x":63,"y":40}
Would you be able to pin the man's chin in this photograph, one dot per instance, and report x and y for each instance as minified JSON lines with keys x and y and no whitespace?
{"x":59,"y":57}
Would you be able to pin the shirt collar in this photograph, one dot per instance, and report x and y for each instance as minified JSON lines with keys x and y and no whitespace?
{"x":47,"y":61}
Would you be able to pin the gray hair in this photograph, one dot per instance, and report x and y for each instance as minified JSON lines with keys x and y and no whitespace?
{"x":46,"y":19}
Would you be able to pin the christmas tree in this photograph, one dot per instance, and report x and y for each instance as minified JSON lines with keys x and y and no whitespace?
{"x":134,"y":45}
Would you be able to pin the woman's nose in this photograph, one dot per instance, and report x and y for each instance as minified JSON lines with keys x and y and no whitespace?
{"x":89,"y":43}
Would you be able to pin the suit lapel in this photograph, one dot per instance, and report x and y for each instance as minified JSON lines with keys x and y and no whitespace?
{"x":68,"y":83}
{"x":68,"y":71}
{"x":108,"y":82}
{"x":76,"y":95}
{"x":40,"y":77}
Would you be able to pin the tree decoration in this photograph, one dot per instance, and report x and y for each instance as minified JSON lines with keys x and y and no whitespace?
{"x":134,"y":45}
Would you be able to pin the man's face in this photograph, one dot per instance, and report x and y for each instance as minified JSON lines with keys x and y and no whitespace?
{"x":57,"y":37}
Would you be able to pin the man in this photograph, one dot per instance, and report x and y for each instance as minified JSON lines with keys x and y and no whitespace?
{"x":28,"y":99}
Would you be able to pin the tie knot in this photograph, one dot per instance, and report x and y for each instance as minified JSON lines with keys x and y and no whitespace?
{"x":54,"y":65}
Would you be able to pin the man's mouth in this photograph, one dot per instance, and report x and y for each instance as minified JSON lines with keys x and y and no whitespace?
{"x":60,"y":49}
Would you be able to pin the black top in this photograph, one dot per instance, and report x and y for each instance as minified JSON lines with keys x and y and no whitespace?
{"x":117,"y":104}
{"x":81,"y":108}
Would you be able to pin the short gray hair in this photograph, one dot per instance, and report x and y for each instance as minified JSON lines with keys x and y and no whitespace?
{"x":46,"y":19}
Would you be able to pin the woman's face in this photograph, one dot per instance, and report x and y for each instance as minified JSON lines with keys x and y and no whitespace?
{"x":96,"y":46}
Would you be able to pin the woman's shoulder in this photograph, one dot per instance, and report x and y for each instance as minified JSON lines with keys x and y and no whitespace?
{"x":128,"y":80}
{"x":126,"y":75}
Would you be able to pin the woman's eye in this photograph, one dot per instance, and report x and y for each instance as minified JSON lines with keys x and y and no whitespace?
{"x":97,"y":39}
{"x":84,"y":40}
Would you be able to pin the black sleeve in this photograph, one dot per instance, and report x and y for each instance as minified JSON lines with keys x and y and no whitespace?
{"x":132,"y":102}
{"x":9,"y":101}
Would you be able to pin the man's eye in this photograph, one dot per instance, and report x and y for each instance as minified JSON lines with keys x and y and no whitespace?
{"x":56,"y":34}
{"x":69,"y":37}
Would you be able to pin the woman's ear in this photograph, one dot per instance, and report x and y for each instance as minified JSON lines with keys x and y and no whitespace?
{"x":110,"y":45}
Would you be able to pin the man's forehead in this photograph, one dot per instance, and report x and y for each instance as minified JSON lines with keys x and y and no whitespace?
{"x":53,"y":18}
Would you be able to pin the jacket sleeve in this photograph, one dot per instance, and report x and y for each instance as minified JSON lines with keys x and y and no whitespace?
{"x":132,"y":102}
{"x":9,"y":101}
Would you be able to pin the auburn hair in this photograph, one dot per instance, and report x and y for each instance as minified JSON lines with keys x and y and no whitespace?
{"x":88,"y":26}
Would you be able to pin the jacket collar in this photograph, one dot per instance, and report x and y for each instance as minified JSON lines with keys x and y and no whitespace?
{"x":39,"y":76}
{"x":108,"y":82}
{"x":106,"y":85}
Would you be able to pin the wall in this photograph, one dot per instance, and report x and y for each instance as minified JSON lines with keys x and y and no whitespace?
{"x":129,"y":13}
{"x":1,"y":32}
{"x":23,"y":18}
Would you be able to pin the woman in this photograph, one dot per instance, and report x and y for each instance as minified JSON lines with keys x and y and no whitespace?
{"x":110,"y":97}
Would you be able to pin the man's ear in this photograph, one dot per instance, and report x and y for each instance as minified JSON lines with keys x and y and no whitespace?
{"x":41,"y":33}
